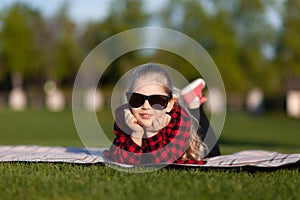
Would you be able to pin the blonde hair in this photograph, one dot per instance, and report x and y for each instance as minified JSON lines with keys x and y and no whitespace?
{"x":153,"y":72}
{"x":197,"y":149}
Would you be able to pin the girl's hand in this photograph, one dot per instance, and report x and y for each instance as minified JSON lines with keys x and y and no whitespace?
{"x":158,"y":124}
{"x":137,"y":130}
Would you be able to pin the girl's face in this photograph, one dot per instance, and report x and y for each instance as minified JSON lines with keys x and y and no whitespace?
{"x":145,"y":114}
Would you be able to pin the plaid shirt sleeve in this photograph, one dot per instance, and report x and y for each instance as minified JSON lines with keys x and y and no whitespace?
{"x":169,"y":144}
{"x":124,"y":149}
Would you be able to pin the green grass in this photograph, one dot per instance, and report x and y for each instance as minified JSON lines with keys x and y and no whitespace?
{"x":38,"y":127}
{"x":70,"y":181}
{"x":67,"y":181}
{"x":272,"y":131}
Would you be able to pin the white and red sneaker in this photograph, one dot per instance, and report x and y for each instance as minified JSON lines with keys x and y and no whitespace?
{"x":192,"y":93}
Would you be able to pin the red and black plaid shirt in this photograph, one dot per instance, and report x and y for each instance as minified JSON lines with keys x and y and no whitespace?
{"x":167,"y":146}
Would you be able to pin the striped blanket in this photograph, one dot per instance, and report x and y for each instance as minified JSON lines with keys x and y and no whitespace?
{"x":255,"y":158}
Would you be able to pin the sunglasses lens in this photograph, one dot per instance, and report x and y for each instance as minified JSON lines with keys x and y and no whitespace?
{"x":158,"y":102}
{"x":135,"y":100}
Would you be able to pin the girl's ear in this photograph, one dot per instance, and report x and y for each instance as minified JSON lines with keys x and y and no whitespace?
{"x":170,"y":104}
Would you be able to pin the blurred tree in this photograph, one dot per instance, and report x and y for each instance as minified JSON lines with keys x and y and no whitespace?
{"x":91,"y":36}
{"x":288,"y":46}
{"x":63,"y":52}
{"x":123,"y":15}
{"x":189,"y":18}
{"x":224,"y":51}
{"x":253,"y":33}
{"x":19,"y":50}
{"x":3,"y":71}
{"x":214,"y":32}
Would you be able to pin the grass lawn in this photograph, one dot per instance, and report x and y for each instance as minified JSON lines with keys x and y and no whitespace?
{"x":68,"y":181}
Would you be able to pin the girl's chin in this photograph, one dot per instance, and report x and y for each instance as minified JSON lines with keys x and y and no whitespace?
{"x":145,"y":124}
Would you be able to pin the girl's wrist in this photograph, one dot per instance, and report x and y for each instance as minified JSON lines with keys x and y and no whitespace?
{"x":137,"y":139}
{"x":150,"y":134}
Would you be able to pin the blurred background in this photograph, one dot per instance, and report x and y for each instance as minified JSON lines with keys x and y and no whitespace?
{"x":255,"y":45}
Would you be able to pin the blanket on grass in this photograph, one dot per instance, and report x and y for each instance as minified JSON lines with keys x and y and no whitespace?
{"x":254,"y":158}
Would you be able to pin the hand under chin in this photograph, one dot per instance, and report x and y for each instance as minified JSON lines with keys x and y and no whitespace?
{"x":158,"y":123}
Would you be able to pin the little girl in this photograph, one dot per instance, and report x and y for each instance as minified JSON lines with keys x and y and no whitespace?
{"x":153,"y":127}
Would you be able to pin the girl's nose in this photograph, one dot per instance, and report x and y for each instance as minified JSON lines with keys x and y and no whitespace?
{"x":146,"y":105}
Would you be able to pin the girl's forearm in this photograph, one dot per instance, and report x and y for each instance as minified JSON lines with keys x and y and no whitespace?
{"x":137,"y":139}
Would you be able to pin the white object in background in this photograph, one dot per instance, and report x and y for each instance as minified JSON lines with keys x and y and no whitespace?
{"x":293,"y":103}
{"x":55,"y":98}
{"x":254,"y":99}
{"x":55,"y":101}
{"x":17,"y":99}
{"x":215,"y":103}
{"x":93,"y":100}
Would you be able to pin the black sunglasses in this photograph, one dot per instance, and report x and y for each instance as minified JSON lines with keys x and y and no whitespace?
{"x":158,"y":102}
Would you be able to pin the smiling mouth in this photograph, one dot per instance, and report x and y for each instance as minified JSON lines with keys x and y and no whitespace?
{"x":145,"y":116}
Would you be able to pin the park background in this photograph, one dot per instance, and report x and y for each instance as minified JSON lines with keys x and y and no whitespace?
{"x":255,"y":45}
